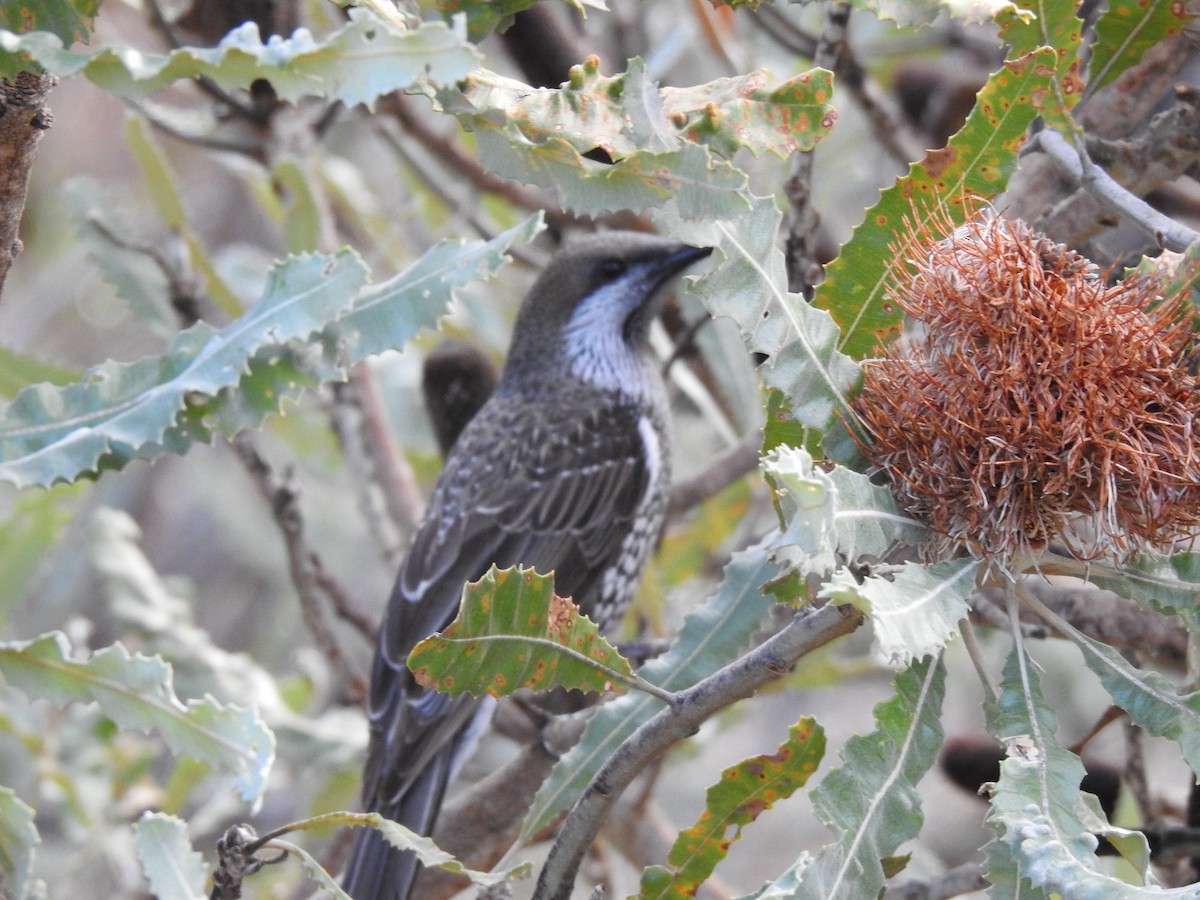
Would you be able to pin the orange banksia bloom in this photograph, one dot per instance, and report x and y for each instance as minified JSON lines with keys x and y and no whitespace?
{"x":1035,"y":404}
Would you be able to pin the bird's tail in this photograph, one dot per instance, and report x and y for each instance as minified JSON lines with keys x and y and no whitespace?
{"x":379,"y":871}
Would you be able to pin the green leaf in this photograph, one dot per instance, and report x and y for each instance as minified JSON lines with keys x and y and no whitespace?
{"x":1045,"y":827}
{"x":403,"y":839}
{"x":834,"y":511}
{"x":127,"y":410}
{"x":160,"y":616}
{"x":156,"y":172}
{"x":1054,"y":24}
{"x":1168,"y":585}
{"x":360,"y":62}
{"x":749,"y":285}
{"x":173,"y":868}
{"x":915,"y":13}
{"x":512,"y":632}
{"x":711,"y":637}
{"x":871,"y":803}
{"x":136,"y":692}
{"x":69,"y":20}
{"x":744,"y":792}
{"x":224,"y":381}
{"x":1150,"y":699}
{"x":1125,"y":30}
{"x":525,"y":142}
{"x":18,"y":838}
{"x":627,"y":113}
{"x":941,"y":190}
{"x":18,"y":371}
{"x":914,"y":614}
{"x":702,"y":186}
{"x":32,"y":524}
{"x":487,"y":16}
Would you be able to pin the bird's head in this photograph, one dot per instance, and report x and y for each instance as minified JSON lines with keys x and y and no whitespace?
{"x":589,"y":312}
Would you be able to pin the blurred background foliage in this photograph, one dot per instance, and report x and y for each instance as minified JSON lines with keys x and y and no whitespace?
{"x":151,"y":208}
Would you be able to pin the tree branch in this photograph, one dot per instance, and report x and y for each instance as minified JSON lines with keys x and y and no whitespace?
{"x":24,"y":118}
{"x":811,"y":628}
{"x":1112,"y":196}
{"x":307,"y":571}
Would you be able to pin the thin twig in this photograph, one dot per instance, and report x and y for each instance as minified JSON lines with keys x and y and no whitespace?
{"x":803,"y":221}
{"x":1075,"y":162}
{"x":304,"y":564}
{"x":443,"y":148}
{"x":812,"y":628}
{"x":967,"y":630}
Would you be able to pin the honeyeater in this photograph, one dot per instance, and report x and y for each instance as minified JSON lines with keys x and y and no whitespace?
{"x":564,"y":469}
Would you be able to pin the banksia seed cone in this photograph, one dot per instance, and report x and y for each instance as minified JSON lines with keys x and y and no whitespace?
{"x":1038,"y":405}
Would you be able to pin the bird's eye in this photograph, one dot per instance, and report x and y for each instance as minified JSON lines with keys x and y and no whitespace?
{"x":612,"y":268}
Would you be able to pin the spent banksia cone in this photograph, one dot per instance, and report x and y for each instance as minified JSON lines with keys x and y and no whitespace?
{"x":1038,"y":405}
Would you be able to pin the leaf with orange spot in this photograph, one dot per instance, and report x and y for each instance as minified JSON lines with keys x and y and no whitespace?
{"x":744,"y":792}
{"x":947,"y":185}
{"x":1054,"y":25}
{"x":512,"y":631}
{"x":1126,"y":29}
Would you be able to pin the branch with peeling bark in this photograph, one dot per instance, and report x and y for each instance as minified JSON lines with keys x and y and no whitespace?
{"x":689,"y":709}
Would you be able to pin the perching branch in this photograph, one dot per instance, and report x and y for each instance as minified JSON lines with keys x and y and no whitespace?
{"x":810,"y":629}
{"x":1075,"y":162}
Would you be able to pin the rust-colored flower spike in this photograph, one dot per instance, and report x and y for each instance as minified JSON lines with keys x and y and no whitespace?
{"x":1036,"y":405}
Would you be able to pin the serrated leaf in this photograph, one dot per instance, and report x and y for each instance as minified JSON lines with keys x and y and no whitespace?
{"x":141,"y":410}
{"x":834,"y":511}
{"x":1125,"y":30}
{"x":871,"y":802}
{"x":513,"y":632}
{"x":745,"y":791}
{"x":703,"y":186}
{"x":18,"y":838}
{"x":50,"y":434}
{"x":161,"y":618}
{"x":136,"y":692}
{"x":400,"y":837}
{"x":915,"y":13}
{"x":711,"y":637}
{"x":627,"y":113}
{"x":1168,"y":585}
{"x":914,"y":614}
{"x":171,"y":865}
{"x":1054,"y":24}
{"x":749,"y":285}
{"x":1150,"y":699}
{"x":975,"y":164}
{"x":1042,"y":821}
{"x":360,"y":62}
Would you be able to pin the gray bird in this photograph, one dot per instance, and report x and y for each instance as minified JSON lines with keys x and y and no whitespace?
{"x":565,"y":468}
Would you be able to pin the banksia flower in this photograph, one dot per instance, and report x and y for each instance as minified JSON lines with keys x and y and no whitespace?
{"x":1037,"y":404}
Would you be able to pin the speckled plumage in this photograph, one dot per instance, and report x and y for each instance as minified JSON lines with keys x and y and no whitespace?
{"x":565,"y":468}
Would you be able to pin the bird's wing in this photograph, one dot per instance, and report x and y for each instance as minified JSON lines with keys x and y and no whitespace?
{"x":518,"y":489}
